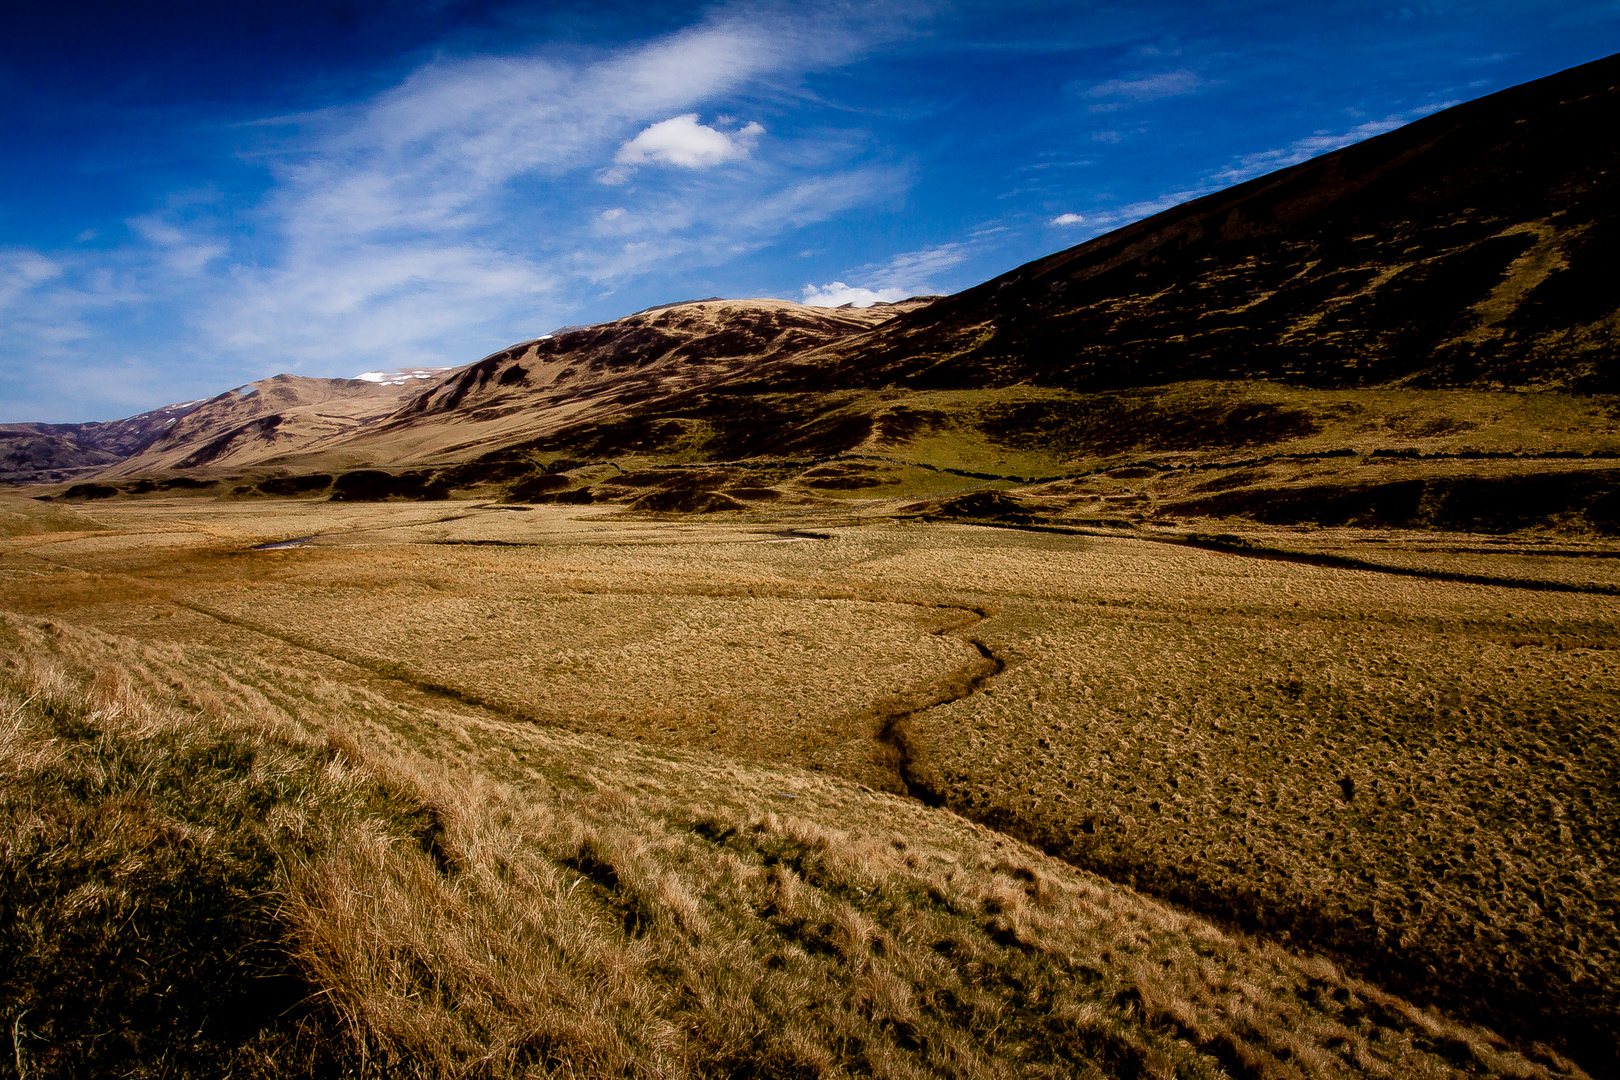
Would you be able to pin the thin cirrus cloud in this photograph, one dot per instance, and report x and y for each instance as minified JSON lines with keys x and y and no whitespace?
{"x":1248,"y":166}
{"x":23,"y":271}
{"x":420,"y":225}
{"x":1114,"y":95}
{"x":54,"y":351}
{"x":1320,"y":142}
{"x":712,"y":222}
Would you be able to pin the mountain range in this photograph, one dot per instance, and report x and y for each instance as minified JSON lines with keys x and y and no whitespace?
{"x":1362,"y":338}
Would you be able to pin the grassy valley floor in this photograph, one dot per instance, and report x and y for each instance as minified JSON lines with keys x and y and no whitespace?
{"x":709,"y":747}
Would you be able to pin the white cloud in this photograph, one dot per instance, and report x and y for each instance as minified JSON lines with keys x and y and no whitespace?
{"x":47,"y":302}
{"x":819,"y":197}
{"x":1116,"y":94}
{"x":1136,"y":211}
{"x":403,"y":303}
{"x":1066,"y":220}
{"x":918,"y":268}
{"x":613,"y":215}
{"x":57,"y":360}
{"x":909,"y":274}
{"x":184,"y":251}
{"x":721,"y":221}
{"x":837,"y":294}
{"x":23,"y":270}
{"x":682,"y":141}
{"x":153,"y":229}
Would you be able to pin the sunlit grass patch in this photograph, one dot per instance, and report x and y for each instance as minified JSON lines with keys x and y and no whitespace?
{"x":423,"y":913}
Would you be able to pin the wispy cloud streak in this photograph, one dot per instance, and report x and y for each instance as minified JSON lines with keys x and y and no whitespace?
{"x":396,"y":218}
{"x":461,"y":207}
{"x":1318,"y":143}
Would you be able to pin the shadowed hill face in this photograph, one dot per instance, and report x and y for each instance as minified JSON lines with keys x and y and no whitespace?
{"x":29,"y":454}
{"x":1476,"y":248}
{"x":35,"y":453}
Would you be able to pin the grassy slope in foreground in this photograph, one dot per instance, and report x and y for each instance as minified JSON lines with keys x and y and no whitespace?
{"x":212,"y":864}
{"x":1438,"y":873}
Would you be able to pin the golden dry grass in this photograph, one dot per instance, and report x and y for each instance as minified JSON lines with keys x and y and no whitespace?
{"x":24,"y":516}
{"x":462,"y":896}
{"x":1234,"y":694}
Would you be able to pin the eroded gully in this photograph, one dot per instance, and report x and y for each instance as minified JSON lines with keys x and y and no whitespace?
{"x":966,"y":681}
{"x":887,"y":719}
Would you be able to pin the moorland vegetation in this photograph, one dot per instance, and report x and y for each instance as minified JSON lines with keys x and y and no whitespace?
{"x":1409,"y":777}
{"x":1191,"y":654}
{"x":217,"y":864}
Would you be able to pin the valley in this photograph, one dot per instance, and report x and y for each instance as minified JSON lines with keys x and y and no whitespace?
{"x":1411,"y":776}
{"x":1190,"y":654}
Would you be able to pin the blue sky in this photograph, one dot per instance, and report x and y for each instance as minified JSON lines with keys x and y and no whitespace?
{"x":196,"y":195}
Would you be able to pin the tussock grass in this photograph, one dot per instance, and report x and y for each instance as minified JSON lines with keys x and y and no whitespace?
{"x":1180,"y":721}
{"x":140,"y":883}
{"x":23,"y":516}
{"x":366,"y":888}
{"x":1430,"y":797}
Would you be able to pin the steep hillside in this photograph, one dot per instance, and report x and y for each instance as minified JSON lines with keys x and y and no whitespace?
{"x":42,"y":453}
{"x":1478,"y":247}
{"x":591,"y":373}
{"x":31,"y":455}
{"x":264,"y":419}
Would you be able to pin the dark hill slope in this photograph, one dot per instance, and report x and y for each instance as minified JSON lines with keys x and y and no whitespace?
{"x":1478,"y":247}
{"x":42,"y":453}
{"x":33,"y":453}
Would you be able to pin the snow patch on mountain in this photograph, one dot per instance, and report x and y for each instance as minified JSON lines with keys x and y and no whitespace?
{"x":400,"y":376}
